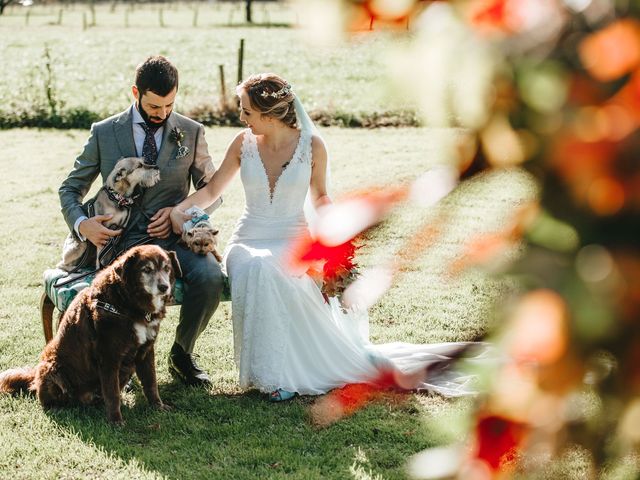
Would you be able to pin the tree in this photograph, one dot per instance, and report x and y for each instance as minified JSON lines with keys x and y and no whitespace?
{"x":4,"y":4}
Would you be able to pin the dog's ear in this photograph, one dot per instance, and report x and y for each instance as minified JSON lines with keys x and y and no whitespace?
{"x":215,"y":232}
{"x":177,"y":270}
{"x":122,"y":264}
{"x":190,"y":233}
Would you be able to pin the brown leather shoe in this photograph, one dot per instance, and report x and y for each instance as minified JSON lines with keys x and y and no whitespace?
{"x":183,"y":366}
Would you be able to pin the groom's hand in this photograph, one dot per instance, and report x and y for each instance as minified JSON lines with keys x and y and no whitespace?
{"x":93,"y":230}
{"x":178,"y":217}
{"x":160,"y":226}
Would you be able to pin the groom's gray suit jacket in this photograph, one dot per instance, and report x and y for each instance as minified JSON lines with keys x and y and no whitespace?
{"x":112,"y":139}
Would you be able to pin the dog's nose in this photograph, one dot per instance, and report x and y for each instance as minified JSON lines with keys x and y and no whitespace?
{"x":163,"y":287}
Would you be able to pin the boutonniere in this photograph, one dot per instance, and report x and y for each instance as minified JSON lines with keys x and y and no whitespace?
{"x":177,"y":136}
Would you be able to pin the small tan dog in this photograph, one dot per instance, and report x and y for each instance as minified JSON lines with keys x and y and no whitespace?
{"x":199,"y":235}
{"x":116,"y":197}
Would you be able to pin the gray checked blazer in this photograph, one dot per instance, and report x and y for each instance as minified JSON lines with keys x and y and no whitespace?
{"x":112,"y":139}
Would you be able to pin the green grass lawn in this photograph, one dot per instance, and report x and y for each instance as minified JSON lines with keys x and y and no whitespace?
{"x":224,"y":432}
{"x":94,"y":69}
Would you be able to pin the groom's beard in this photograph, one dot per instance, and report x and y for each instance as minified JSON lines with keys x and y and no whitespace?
{"x":151,"y":121}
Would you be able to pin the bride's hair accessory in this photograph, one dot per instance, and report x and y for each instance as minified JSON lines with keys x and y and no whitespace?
{"x":271,"y":95}
{"x":283,"y":92}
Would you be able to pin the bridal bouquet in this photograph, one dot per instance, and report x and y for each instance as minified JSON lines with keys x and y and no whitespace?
{"x":332,"y":267}
{"x":339,"y":271}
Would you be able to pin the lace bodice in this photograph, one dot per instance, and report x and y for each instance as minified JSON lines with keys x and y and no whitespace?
{"x":291,"y":187}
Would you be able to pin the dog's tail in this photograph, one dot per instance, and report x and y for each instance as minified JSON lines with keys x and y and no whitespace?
{"x":17,"y":380}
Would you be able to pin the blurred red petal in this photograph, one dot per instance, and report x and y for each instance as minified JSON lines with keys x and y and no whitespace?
{"x":496,"y":16}
{"x":498,"y":440}
{"x":343,"y":220}
{"x":308,"y":253}
{"x":349,"y":399}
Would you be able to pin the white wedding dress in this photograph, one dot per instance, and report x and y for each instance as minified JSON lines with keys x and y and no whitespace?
{"x":285,"y":334}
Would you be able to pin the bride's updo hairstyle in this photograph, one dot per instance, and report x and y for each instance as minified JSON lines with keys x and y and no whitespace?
{"x":272,"y":96}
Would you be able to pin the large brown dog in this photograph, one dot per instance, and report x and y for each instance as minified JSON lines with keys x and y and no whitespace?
{"x":107,"y":332}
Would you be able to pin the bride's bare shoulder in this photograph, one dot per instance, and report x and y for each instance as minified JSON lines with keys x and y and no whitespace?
{"x":238,"y":140}
{"x":234,"y":149}
{"x":317,"y":144}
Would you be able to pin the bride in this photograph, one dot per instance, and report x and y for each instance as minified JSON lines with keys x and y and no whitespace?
{"x":287,"y":339}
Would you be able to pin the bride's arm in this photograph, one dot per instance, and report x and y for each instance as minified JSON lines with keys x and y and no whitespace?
{"x":318,"y":186}
{"x":212,"y":190}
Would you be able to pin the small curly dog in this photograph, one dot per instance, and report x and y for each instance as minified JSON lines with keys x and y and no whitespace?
{"x":106,"y":334}
{"x":116,"y":197}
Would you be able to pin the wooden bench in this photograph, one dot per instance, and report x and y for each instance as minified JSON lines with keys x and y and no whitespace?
{"x":59,"y":298}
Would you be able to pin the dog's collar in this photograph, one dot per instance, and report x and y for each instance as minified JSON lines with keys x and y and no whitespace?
{"x":121,"y":200}
{"x":202,"y":218}
{"x":195,"y":221}
{"x":111,"y":309}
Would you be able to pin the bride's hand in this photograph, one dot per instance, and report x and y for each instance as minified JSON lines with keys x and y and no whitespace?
{"x":178,"y":217}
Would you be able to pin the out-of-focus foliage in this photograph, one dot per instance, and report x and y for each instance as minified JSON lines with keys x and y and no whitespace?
{"x":554,"y":87}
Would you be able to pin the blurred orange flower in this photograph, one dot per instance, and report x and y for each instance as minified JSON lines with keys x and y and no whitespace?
{"x":539,"y":332}
{"x":580,"y":162}
{"x":612,"y":51}
{"x":628,"y":100}
{"x":484,"y":249}
{"x":368,"y":14}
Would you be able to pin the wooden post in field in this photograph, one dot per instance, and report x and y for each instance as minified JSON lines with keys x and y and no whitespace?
{"x":59,"y":21}
{"x":223,"y":90}
{"x":161,"y":18}
{"x":247,"y":5}
{"x":92,"y":8}
{"x":195,"y":17}
{"x":27,"y":15}
{"x":126,"y":18}
{"x":84,"y":21}
{"x":240,"y":59}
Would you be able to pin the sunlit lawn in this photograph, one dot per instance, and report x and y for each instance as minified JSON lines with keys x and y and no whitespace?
{"x":224,"y":432}
{"x":93,"y":69}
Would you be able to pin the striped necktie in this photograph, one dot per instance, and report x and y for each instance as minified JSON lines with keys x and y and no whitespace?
{"x":149,"y":148}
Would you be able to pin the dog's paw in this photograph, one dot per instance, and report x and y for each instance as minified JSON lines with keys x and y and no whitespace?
{"x":163,"y":407}
{"x":116,"y":419}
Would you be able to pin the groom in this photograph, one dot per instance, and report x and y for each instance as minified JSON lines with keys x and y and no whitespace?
{"x":175,"y":144}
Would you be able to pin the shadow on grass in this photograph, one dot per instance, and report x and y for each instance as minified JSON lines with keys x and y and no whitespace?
{"x":244,"y":436}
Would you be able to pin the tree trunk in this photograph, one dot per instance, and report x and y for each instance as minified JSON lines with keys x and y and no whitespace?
{"x":248,"y":9}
